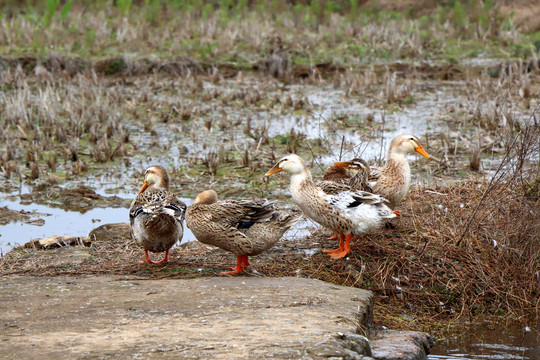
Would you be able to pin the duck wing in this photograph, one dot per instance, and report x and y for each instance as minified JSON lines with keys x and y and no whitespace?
{"x":241,"y":213}
{"x":359,"y":181}
{"x":349,"y":200}
{"x":155,"y":203}
{"x":344,"y":197}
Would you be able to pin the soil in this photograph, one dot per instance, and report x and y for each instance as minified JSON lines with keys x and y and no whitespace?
{"x":7,"y":216}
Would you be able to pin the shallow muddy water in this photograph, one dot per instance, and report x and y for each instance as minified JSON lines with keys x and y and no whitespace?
{"x":349,"y":125}
{"x":491,"y":341}
{"x":62,"y":222}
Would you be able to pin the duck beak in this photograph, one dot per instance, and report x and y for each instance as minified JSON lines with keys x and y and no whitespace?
{"x":421,"y":151}
{"x":144,"y":186}
{"x":342,"y":164}
{"x":273,"y":170}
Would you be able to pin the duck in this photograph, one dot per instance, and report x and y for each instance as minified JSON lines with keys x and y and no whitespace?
{"x":337,"y":207}
{"x":156,"y":215}
{"x":354,"y":173}
{"x":242,"y":227}
{"x":393,"y":180}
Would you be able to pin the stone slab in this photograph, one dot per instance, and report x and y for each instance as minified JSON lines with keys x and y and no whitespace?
{"x":205,"y":318}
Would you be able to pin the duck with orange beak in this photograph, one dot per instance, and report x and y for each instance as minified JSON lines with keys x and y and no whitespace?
{"x":156,"y":215}
{"x":394,"y":179}
{"x":335,"y":206}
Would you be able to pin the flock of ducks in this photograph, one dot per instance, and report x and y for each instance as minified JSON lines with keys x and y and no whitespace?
{"x":343,"y":202}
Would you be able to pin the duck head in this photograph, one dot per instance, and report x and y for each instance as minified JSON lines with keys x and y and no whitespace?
{"x":206,"y":197}
{"x":407,"y":144}
{"x":355,"y":165}
{"x":155,"y":178}
{"x":292,"y":163}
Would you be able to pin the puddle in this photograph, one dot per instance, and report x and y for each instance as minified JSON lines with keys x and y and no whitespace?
{"x":62,"y":222}
{"x":489,"y":341}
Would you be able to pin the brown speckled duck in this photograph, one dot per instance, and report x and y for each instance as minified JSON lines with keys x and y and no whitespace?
{"x":394,"y":179}
{"x":243,"y":227}
{"x":354,"y":173}
{"x":156,"y":215}
{"x":335,"y":206}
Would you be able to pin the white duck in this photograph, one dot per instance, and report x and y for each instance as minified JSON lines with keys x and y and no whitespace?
{"x":335,"y":206}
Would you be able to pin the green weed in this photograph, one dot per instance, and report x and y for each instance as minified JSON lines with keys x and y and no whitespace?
{"x":124,"y":6}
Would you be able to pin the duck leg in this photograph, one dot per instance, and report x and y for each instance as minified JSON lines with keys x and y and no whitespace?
{"x":346,"y":248}
{"x":241,"y":262}
{"x":165,"y":259}
{"x":147,"y":258}
{"x":340,"y":249}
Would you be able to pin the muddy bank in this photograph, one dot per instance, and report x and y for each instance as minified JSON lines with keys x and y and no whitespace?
{"x":7,"y":216}
{"x":80,"y":198}
{"x":407,"y":267}
{"x":180,"y":66}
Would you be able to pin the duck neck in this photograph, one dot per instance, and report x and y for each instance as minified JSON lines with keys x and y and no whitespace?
{"x":156,"y":187}
{"x":398,"y":161}
{"x":300,"y":178}
{"x":396,"y":156}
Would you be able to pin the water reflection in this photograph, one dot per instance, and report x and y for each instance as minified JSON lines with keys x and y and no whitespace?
{"x":490,"y":341}
{"x":61,"y":222}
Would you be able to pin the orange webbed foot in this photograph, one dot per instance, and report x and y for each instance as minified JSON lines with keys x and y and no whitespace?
{"x":344,"y":247}
{"x":339,"y":255}
{"x":340,"y":248}
{"x":165,"y":258}
{"x":241,"y":262}
{"x":235,"y":271}
{"x":331,"y":251}
{"x":334,"y":237}
{"x":147,"y":259}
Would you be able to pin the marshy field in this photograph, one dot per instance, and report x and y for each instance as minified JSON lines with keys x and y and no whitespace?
{"x":94,"y":92}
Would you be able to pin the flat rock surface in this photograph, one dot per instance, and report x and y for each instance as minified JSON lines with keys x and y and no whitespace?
{"x":208,"y":318}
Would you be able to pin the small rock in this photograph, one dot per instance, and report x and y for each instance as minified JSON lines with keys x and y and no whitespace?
{"x":57,"y":241}
{"x":406,"y":345}
{"x":111,"y":232}
{"x":356,"y":343}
